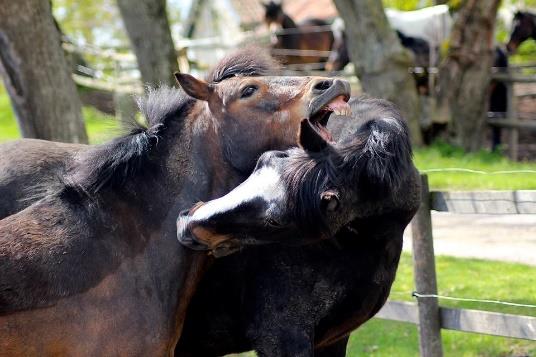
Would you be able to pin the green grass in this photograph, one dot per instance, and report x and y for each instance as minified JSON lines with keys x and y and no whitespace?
{"x":441,"y":155}
{"x":470,"y":278}
{"x":8,"y":125}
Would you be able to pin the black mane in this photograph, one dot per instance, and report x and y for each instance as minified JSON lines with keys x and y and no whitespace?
{"x":110,"y":164}
{"x":375,"y":161}
{"x":249,"y":61}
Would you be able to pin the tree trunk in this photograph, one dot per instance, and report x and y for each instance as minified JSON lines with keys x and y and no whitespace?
{"x":380,"y":61}
{"x":148,"y":29}
{"x":36,"y":74}
{"x":465,"y":74}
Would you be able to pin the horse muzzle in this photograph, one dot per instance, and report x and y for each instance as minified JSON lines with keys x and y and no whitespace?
{"x":185,"y":235}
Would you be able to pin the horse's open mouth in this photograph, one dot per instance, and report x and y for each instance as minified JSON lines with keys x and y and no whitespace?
{"x":320,"y":117}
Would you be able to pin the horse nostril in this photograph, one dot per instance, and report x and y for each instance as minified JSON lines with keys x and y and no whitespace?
{"x":323,"y":85}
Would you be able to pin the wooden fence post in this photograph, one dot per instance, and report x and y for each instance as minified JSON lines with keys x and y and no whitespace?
{"x":425,"y":277}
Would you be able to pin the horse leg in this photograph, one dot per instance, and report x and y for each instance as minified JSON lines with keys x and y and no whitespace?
{"x":286,"y":343}
{"x":337,"y":349}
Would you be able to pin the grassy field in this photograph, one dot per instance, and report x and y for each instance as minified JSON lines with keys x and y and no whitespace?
{"x":469,"y":278}
{"x":441,"y":155}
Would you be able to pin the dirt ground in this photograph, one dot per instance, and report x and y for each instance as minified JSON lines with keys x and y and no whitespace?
{"x":510,"y":238}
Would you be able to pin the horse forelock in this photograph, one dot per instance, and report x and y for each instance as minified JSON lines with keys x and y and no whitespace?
{"x":381,"y":151}
{"x":249,"y":61}
{"x":112,"y":163}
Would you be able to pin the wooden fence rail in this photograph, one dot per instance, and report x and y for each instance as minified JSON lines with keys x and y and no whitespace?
{"x":483,"y":322}
{"x":512,"y":122}
{"x":426,"y":313}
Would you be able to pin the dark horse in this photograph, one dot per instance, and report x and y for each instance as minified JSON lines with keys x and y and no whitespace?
{"x":298,"y":195}
{"x":309,"y":35}
{"x":420,"y":48}
{"x":523,"y":28}
{"x":305,"y":302}
{"x":94,"y":267}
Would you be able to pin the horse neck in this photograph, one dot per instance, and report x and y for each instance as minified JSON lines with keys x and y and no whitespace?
{"x":288,"y":23}
{"x":197,"y":169}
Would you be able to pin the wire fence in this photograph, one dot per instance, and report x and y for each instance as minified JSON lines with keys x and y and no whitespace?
{"x":461,"y":299}
{"x":479,"y":172}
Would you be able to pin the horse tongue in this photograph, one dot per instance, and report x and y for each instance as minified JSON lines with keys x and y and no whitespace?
{"x":339,"y":106}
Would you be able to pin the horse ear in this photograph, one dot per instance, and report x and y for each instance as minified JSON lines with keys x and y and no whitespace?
{"x":194,"y":87}
{"x":309,"y":139}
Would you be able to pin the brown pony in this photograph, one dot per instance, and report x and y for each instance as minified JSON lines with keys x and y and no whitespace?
{"x":93,"y":266}
{"x":291,"y":38}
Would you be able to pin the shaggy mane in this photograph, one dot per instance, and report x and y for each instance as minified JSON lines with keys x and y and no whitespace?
{"x":110,"y":164}
{"x":249,"y":61}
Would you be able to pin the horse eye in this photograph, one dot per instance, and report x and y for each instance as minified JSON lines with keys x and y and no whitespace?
{"x":248,"y":91}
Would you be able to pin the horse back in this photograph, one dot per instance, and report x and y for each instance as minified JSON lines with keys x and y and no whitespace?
{"x":29,"y":168}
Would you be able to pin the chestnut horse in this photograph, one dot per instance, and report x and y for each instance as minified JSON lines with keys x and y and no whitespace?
{"x":93,"y":267}
{"x":523,"y":28}
{"x":290,"y":37}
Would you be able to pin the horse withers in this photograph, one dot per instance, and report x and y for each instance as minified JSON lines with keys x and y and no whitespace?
{"x":305,"y":301}
{"x":92,"y":265}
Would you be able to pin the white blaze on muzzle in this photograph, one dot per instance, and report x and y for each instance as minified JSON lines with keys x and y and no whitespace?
{"x":264,"y":183}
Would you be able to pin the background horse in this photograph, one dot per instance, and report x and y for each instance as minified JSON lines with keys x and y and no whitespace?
{"x":305,"y":36}
{"x":107,"y":272}
{"x":304,"y":302}
{"x":523,"y":28}
{"x":339,"y":57}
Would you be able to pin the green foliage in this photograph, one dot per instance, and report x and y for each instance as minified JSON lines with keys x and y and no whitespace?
{"x":470,"y":278}
{"x":91,"y":21}
{"x":407,"y":5}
